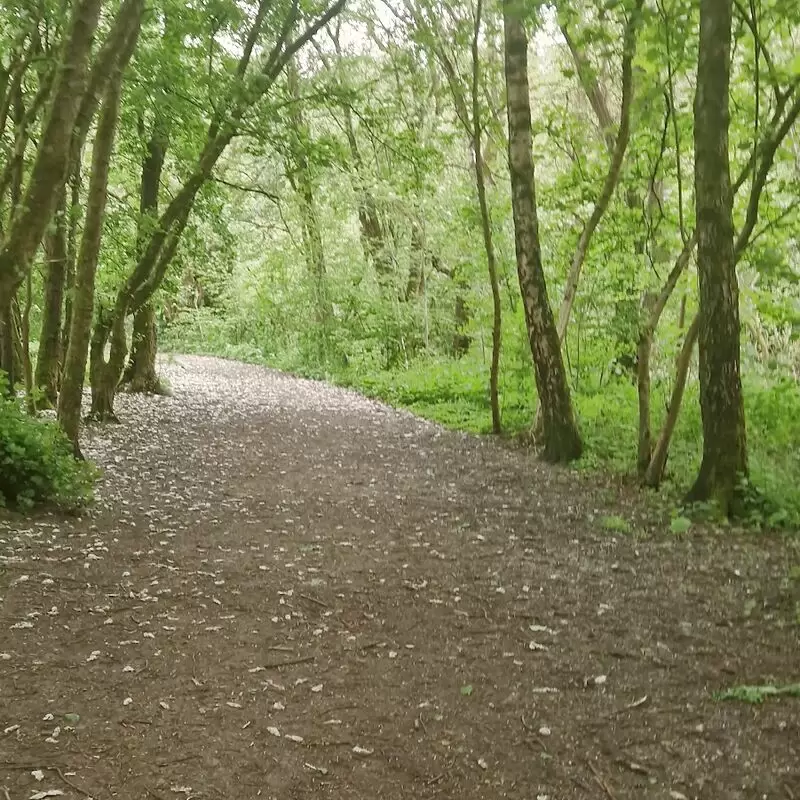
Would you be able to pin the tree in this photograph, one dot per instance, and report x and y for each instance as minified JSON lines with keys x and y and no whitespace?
{"x":69,"y":405}
{"x":724,"y":438}
{"x":562,"y":442}
{"x":36,"y":206}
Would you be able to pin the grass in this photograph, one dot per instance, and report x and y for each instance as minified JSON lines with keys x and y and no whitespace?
{"x":758,"y":694}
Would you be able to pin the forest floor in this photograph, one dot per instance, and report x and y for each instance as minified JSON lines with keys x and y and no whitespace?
{"x":288,"y":591}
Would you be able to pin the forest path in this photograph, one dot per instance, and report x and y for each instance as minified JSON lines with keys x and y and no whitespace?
{"x":289,"y":591}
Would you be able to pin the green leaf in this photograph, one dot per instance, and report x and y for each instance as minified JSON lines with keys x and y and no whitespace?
{"x":680,"y":525}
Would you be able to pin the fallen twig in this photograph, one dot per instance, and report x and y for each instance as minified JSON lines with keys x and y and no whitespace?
{"x":177,"y":760}
{"x":291,"y":662}
{"x":313,"y":600}
{"x":6,"y":795}
{"x":344,"y":743}
{"x":635,"y":704}
{"x":601,"y":782}
{"x":69,"y":783}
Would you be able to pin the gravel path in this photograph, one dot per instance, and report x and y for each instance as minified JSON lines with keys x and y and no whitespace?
{"x":288,"y":591}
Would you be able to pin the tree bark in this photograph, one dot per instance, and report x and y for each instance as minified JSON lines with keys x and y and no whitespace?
{"x":141,"y":375}
{"x":69,"y":403}
{"x":418,"y":257}
{"x":562,"y":441}
{"x":724,"y":438}
{"x":643,"y":350}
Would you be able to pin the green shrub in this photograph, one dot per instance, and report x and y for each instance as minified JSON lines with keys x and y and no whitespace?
{"x":36,"y":462}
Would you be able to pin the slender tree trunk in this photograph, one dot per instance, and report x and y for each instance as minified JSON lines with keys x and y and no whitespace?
{"x":654,"y":473}
{"x":25,"y":342}
{"x":418,"y":256}
{"x":48,"y":360}
{"x":562,"y":441}
{"x":69,"y":402}
{"x":724,"y":439}
{"x":8,"y":361}
{"x":620,"y":145}
{"x":303,"y":183}
{"x":486,"y":225}
{"x":652,"y":310}
{"x":72,"y":257}
{"x":645,"y":444}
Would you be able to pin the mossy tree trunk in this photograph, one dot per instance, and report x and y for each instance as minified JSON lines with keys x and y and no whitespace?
{"x":141,"y":374}
{"x":69,"y":404}
{"x":724,"y":439}
{"x":49,"y":357}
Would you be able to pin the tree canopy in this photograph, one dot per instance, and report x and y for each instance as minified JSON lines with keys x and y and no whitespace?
{"x":519,"y":217}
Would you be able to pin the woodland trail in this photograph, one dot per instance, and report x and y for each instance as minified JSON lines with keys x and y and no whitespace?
{"x":289,"y":591}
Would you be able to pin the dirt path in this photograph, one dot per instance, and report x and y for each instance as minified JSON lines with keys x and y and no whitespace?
{"x":288,"y":591}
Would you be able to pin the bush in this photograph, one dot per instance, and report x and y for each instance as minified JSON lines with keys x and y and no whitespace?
{"x":36,"y":462}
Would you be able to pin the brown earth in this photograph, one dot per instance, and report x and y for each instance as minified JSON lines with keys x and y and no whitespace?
{"x":288,"y":591}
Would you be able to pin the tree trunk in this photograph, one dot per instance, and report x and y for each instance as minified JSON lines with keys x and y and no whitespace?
{"x":486,"y":224}
{"x":72,"y":258}
{"x":7,"y":359}
{"x":654,"y":473}
{"x":25,"y":342}
{"x":104,"y":376}
{"x":724,"y":439}
{"x":562,"y":441}
{"x":645,"y":444}
{"x":69,"y":403}
{"x":48,"y":360}
{"x":303,"y":183}
{"x":652,"y":309}
{"x":141,"y":374}
{"x":418,"y":256}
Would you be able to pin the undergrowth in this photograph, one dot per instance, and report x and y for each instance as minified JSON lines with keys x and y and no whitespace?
{"x":37,"y":465}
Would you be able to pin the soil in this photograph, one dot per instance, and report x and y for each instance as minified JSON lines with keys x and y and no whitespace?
{"x":288,"y":591}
